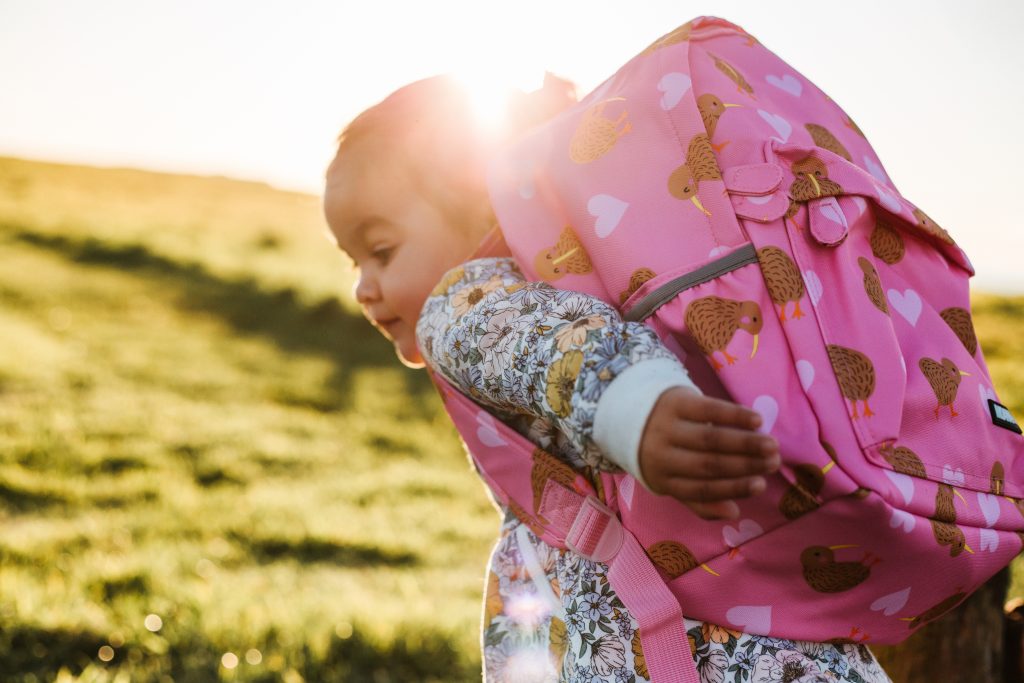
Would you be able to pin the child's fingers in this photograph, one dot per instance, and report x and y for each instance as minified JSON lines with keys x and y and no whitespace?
{"x":717,"y":439}
{"x":699,"y":408}
{"x":714,"y":490}
{"x":725,"y":509}
{"x":703,"y":465}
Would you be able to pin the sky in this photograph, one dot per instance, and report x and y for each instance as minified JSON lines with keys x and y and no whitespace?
{"x":260,"y":90}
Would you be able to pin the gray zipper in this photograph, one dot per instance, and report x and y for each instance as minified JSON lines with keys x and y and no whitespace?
{"x":668,"y":291}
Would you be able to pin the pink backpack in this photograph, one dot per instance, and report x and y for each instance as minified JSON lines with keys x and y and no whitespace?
{"x":711,"y":191}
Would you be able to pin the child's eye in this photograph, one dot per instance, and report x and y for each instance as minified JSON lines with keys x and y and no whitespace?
{"x":382,"y":254}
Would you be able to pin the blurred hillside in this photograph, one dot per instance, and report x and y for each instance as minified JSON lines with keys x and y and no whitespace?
{"x":210,"y":466}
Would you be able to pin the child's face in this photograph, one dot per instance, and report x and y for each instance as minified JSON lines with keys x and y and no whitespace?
{"x":400,"y":243}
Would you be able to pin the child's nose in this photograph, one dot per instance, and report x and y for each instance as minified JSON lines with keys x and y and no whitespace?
{"x":365,"y":290}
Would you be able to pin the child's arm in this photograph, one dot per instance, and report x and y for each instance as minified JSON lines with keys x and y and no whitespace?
{"x":567,"y":357}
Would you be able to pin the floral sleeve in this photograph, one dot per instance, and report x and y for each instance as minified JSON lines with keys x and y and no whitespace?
{"x":529,"y":348}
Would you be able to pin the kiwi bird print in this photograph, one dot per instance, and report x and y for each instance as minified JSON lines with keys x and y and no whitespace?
{"x":675,"y":559}
{"x":713,"y":321}
{"x":873,"y":285}
{"x":856,"y":375}
{"x":711,"y":109}
{"x":959,"y":320}
{"x":547,"y":467}
{"x":782,"y":279}
{"x":679,"y":35}
{"x":566,"y":256}
{"x":824,"y":139}
{"x":937,"y":611}
{"x":811,"y":180}
{"x":886,"y":243}
{"x":997,"y":479}
{"x":802,"y":496}
{"x":848,"y":122}
{"x":931,"y":227}
{"x":903,"y":460}
{"x":597,"y":134}
{"x":636,"y":281}
{"x":943,"y":522}
{"x":700,"y":166}
{"x":825,"y":574}
{"x":944,"y":377}
{"x":733,"y":75}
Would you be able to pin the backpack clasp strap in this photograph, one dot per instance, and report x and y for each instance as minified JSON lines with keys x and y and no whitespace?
{"x":596,"y":533}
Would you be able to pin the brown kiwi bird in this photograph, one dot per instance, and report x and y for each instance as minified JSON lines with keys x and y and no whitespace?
{"x":675,"y":559}
{"x":903,"y":460}
{"x":938,"y":610}
{"x":944,"y":378}
{"x":713,"y":321}
{"x":811,"y":180}
{"x":636,"y":281}
{"x":824,"y":139}
{"x":856,"y":375}
{"x":997,"y":479}
{"x":959,"y":320}
{"x":824,"y":574}
{"x":943,"y":522}
{"x":873,"y":285}
{"x":700,"y":165}
{"x":783,"y":280}
{"x":566,"y":256}
{"x":802,"y":495}
{"x":733,"y":75}
{"x":931,"y":227}
{"x":676,"y":36}
{"x":596,"y":134}
{"x":711,"y":109}
{"x":547,"y":467}
{"x":886,"y":243}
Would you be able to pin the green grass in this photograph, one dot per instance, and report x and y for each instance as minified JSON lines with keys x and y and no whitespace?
{"x":194,"y":425}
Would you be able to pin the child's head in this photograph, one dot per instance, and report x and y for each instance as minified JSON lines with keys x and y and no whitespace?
{"x":406,"y":199}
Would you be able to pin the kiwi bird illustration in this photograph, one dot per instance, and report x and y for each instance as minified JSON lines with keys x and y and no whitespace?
{"x":636,"y":281}
{"x":938,"y":610}
{"x":931,"y":227}
{"x":997,"y":479}
{"x":713,"y":321}
{"x":856,"y":375}
{"x":711,"y":109}
{"x":547,"y":467}
{"x":596,"y":134}
{"x":566,"y":256}
{"x":873,"y":285}
{"x":802,"y":495}
{"x":824,"y":574}
{"x":824,"y":139}
{"x":886,"y":243}
{"x":700,"y":166}
{"x":903,"y":460}
{"x":811,"y":180}
{"x":959,"y":320}
{"x":944,"y":522}
{"x":783,"y":280}
{"x":679,"y":35}
{"x":944,"y":378}
{"x":675,"y":559}
{"x":733,"y":75}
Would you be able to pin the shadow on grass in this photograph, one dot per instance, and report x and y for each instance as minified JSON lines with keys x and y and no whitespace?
{"x":19,"y":499}
{"x":308,"y":550}
{"x":324,"y":329}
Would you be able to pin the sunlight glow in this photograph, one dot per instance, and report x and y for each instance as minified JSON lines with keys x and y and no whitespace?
{"x":490,"y":90}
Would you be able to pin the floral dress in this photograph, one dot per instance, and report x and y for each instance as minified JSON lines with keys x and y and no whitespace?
{"x":539,"y":358}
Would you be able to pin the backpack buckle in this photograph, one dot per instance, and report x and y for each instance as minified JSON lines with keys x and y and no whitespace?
{"x":596,"y":533}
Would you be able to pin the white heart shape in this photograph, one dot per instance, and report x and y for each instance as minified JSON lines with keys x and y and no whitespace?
{"x":781,"y":125}
{"x":717,"y":251}
{"x":889,"y":200}
{"x":902,"y":518}
{"x":608,"y":210}
{"x":903,"y":483}
{"x":892,"y":603}
{"x":875,"y":170}
{"x":760,"y":200}
{"x":985,"y":394}
{"x":907,"y":304}
{"x":751,"y":618}
{"x":814,"y":287}
{"x":831,"y":211}
{"x":768,"y":407}
{"x":787,"y":83}
{"x":805,"y":371}
{"x":951,"y":476}
{"x":626,"y":488}
{"x":989,"y":540}
{"x":989,"y":505}
{"x":674,"y":85}
{"x":861,"y":204}
{"x":487,"y":431}
{"x":747,"y":529}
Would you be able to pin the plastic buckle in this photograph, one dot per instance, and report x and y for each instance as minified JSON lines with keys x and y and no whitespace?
{"x":596,"y":533}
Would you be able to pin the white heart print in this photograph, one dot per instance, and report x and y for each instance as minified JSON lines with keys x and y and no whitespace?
{"x":875,"y":170}
{"x":746,"y":530}
{"x":989,"y":504}
{"x":805,"y":371}
{"x":814,"y":287}
{"x":674,"y":85}
{"x":902,"y":518}
{"x":768,"y":407}
{"x":487,"y":431}
{"x":907,"y":304}
{"x":751,"y":618}
{"x":781,"y":125}
{"x":787,"y":83}
{"x":831,"y":211}
{"x":953,"y":477}
{"x":892,"y":603}
{"x":903,"y":484}
{"x":626,"y":489}
{"x":608,"y":210}
{"x":989,"y":540}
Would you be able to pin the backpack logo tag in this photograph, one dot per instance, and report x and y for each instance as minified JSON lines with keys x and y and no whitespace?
{"x":1002,"y":417}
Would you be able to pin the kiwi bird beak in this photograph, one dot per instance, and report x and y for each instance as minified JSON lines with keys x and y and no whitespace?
{"x":696,"y":202}
{"x":968,"y":548}
{"x":754,"y":350}
{"x":960,"y":496}
{"x":838,"y":547}
{"x":709,"y":570}
{"x":814,"y":181}
{"x":826,"y":468}
{"x":727,"y":105}
{"x":965,"y":374}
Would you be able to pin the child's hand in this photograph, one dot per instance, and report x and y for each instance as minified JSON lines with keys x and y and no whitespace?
{"x":704,"y":452}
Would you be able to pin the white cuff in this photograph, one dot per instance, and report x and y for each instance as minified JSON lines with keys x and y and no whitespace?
{"x":624,"y":407}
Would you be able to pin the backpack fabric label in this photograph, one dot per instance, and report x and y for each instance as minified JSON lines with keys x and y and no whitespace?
{"x":1002,"y":417}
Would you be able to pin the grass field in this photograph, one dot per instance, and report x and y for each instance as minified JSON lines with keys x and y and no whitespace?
{"x":211,"y":468}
